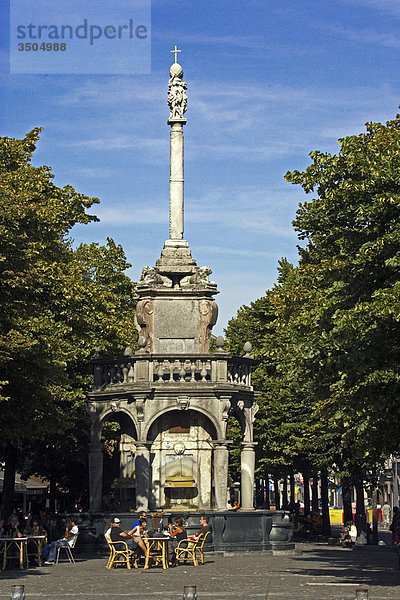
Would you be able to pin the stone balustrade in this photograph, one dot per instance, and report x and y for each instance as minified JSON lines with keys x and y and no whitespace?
{"x":160,"y":369}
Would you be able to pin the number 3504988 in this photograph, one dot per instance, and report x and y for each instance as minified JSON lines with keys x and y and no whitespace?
{"x":44,"y":46}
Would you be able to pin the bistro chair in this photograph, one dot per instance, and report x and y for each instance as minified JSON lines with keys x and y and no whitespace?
{"x":186,"y":550}
{"x":120,"y":554}
{"x":68,"y":549}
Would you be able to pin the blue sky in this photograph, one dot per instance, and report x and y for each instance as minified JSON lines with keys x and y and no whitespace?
{"x":267,"y":83}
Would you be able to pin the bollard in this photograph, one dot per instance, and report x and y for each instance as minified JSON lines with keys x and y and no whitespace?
{"x":17,"y":592}
{"x":362,"y":594}
{"x":189,"y":592}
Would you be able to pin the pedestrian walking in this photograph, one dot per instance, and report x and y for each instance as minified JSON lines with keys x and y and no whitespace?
{"x":395,"y":526}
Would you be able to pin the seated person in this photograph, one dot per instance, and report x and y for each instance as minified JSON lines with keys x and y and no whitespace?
{"x":12,"y":527}
{"x":137,"y":533}
{"x":117,"y":535}
{"x":34,"y":527}
{"x":11,"y":530}
{"x":142,"y":515}
{"x":49,"y":551}
{"x":205,"y":528}
{"x":177,"y":533}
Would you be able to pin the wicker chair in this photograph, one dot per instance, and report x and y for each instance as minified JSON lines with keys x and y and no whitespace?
{"x":186,"y":550}
{"x":120,"y":554}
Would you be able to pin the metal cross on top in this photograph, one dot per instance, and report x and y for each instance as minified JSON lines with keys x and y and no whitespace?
{"x":175,"y":51}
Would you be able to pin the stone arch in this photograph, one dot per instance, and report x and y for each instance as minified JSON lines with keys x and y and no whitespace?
{"x":181,"y":457}
{"x":217,"y":429}
{"x":122,"y":416}
{"x":118,"y":469}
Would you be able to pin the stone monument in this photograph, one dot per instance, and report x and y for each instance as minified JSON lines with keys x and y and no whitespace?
{"x":172,"y":397}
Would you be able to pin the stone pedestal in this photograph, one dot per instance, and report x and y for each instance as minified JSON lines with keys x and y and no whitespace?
{"x":142,"y":473}
{"x":247,"y":464}
{"x":221,"y":456}
{"x":96,"y":476}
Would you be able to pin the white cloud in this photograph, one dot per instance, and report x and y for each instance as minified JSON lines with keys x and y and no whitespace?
{"x":390,"y":7}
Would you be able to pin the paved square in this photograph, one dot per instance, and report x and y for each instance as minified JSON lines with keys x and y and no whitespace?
{"x":313,"y":572}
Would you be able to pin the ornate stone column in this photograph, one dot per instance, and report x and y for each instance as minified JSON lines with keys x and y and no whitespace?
{"x":177,"y":102}
{"x":96,"y":476}
{"x":221,"y":457}
{"x":142,"y":474}
{"x":247,"y":463}
{"x":176,"y":180}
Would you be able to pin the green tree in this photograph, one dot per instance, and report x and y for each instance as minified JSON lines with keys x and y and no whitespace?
{"x":352,"y":230}
{"x":57,"y":305}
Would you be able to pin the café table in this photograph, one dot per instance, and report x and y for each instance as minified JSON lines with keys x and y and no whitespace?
{"x":21,"y":544}
{"x":157,"y":549}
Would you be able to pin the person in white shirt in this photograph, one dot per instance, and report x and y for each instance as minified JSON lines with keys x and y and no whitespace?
{"x":70,"y":534}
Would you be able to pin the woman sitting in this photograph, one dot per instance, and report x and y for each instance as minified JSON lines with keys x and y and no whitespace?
{"x":177,"y":533}
{"x":35,"y":527}
{"x":137,"y":533}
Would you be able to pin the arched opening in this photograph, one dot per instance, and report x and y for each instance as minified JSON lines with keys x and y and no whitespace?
{"x":118,"y":438}
{"x":181,"y":460}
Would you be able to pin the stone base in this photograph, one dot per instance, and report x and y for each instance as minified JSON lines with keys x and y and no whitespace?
{"x":232,"y":531}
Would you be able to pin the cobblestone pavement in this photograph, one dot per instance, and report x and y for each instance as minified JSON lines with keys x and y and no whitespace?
{"x":312,"y":571}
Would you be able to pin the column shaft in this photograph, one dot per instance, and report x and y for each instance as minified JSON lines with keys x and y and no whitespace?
{"x":247,"y":460}
{"x":176,"y":182}
{"x":96,"y":477}
{"x":221,"y":455}
{"x":142,"y":473}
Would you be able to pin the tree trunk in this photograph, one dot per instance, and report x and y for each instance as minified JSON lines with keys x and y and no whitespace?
{"x":10,"y":455}
{"x":346,"y":495}
{"x":285,"y":493}
{"x":292,"y":494}
{"x":306,"y":493}
{"x":277,"y":494}
{"x":326,"y":522}
{"x":375,"y":517}
{"x":52,"y":494}
{"x":267,"y":499}
{"x":314,"y":494}
{"x":361,"y":517}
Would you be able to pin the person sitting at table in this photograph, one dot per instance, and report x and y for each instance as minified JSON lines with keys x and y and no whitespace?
{"x":117,"y":535}
{"x":205,"y":528}
{"x":49,"y":551}
{"x":142,"y":515}
{"x":12,"y":528}
{"x":35,"y":527}
{"x":177,"y":533}
{"x":137,"y":533}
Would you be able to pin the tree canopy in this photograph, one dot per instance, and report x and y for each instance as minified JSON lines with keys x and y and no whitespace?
{"x":328,"y":332}
{"x":58,"y":303}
